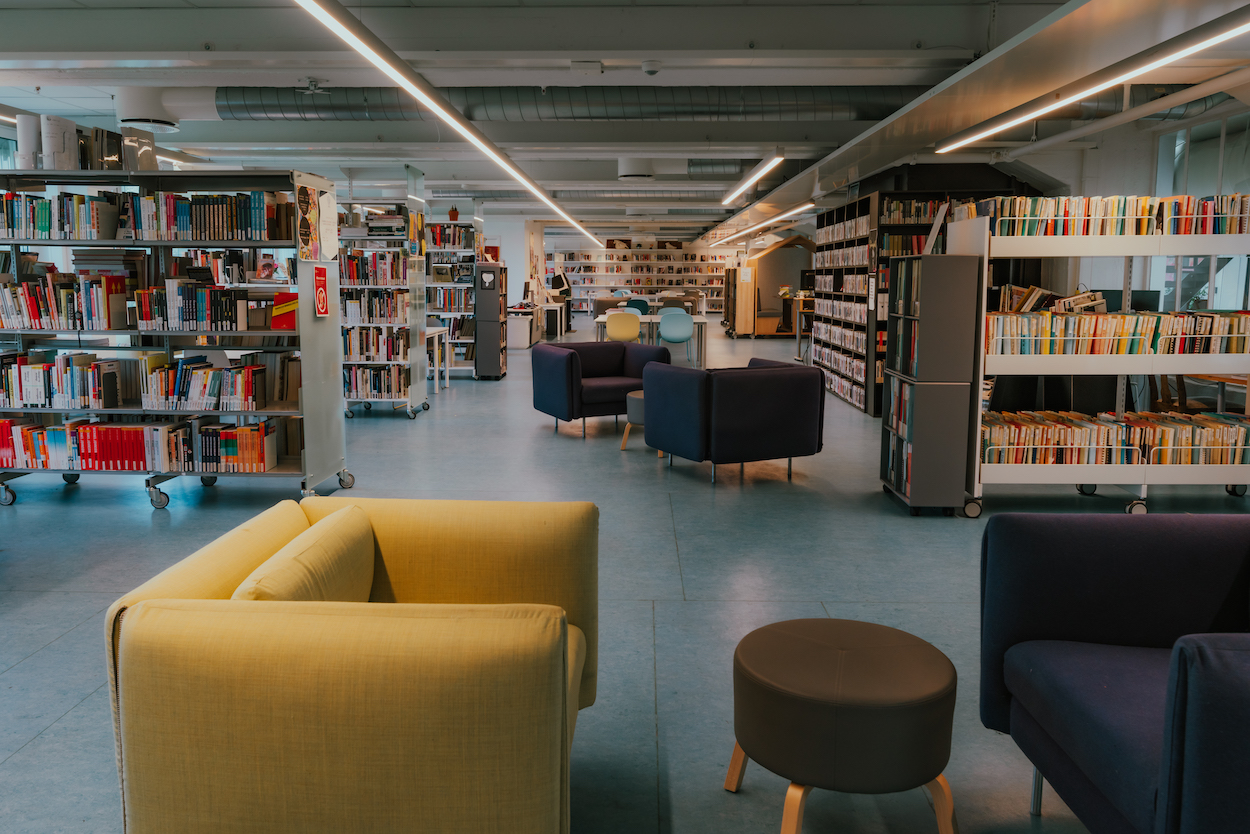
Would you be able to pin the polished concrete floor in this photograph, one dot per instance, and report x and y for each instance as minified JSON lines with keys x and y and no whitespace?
{"x":686,"y":569}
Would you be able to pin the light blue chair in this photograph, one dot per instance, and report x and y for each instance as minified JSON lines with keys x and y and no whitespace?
{"x":664,"y":311}
{"x":641,"y":305}
{"x":676,"y":328}
{"x":620,"y":293}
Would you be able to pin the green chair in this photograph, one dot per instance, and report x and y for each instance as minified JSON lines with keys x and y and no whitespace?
{"x":641,"y":305}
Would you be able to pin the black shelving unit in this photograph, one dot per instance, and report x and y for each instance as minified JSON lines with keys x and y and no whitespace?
{"x":490,"y":357}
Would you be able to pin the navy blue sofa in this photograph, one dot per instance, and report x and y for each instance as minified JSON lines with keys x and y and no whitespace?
{"x":1114,"y":651}
{"x":576,"y":380}
{"x":765,"y":411}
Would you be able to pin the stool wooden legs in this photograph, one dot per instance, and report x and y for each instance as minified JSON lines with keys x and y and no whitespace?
{"x":625,"y":439}
{"x":943,"y":805}
{"x":792,"y":816}
{"x":737,"y":769}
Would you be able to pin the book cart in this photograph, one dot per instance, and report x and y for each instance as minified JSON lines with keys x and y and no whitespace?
{"x":317,"y":338}
{"x":973,"y":237}
{"x":405,"y":332}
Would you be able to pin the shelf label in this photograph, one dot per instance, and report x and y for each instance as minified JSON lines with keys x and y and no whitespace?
{"x":872,"y":291}
{"x":320,"y":293}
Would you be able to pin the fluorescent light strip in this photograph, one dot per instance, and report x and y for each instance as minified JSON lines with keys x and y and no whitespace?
{"x":9,"y":119}
{"x":754,"y":177}
{"x":415,"y":197}
{"x":331,"y":23}
{"x":1115,"y":82}
{"x":478,"y":219}
{"x":771,"y":221}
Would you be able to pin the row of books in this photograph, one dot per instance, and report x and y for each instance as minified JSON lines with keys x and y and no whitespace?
{"x":187,"y":305}
{"x":358,"y":268}
{"x":909,"y":211}
{"x":63,"y":217}
{"x":449,"y":299}
{"x":856,"y":227}
{"x":855,"y":312}
{"x":194,"y":384}
{"x":61,"y":301}
{"x":581,"y":269}
{"x":844,"y":388}
{"x":1116,"y":333}
{"x":897,"y":465}
{"x":849,"y":366}
{"x":1119,"y":215}
{"x":896,"y":412}
{"x":896,"y":246}
{"x":856,"y":340}
{"x":445,"y":236}
{"x":905,"y":287}
{"x":1139,"y":437}
{"x":854,"y":283}
{"x":381,"y":344}
{"x":199,"y":445}
{"x":358,"y":307}
{"x":905,"y":358}
{"x":46,"y":379}
{"x":368,"y":383}
{"x":844,"y":257}
{"x":461,"y":327}
{"x":653,"y":282}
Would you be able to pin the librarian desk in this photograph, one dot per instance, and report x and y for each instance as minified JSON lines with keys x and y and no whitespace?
{"x":651,"y":332}
{"x":442,"y":358}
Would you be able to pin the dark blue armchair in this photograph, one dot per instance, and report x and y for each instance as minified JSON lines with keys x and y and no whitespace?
{"x":576,"y":380}
{"x":765,"y":411}
{"x":1114,"y":651}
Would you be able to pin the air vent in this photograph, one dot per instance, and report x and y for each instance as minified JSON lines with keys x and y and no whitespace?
{"x":634,"y":170}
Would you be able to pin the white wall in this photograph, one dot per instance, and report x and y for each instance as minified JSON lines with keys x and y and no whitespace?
{"x":513,"y":250}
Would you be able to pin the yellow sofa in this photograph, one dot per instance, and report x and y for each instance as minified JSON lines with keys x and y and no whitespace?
{"x":446,"y":703}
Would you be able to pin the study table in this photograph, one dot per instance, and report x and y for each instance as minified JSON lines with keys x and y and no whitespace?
{"x":651,"y":332}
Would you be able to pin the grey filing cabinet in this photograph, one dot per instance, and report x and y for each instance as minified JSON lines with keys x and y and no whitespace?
{"x":490,"y":303}
{"x":931,"y":344}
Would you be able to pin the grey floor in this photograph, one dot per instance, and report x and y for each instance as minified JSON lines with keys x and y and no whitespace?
{"x":686,"y":569}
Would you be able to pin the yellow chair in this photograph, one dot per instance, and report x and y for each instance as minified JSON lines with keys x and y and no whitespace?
{"x":446,"y":702}
{"x":623,"y":327}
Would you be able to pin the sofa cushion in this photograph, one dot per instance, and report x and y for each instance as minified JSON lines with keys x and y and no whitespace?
{"x":331,"y":561}
{"x":599,"y":358}
{"x":609,"y":389}
{"x":1104,"y":705}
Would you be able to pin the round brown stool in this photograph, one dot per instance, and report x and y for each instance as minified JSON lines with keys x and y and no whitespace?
{"x":844,"y":706}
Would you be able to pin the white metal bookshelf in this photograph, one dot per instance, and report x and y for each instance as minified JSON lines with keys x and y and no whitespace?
{"x":315,"y":338}
{"x":411,"y":265}
{"x":591,"y":271}
{"x":972,"y":237}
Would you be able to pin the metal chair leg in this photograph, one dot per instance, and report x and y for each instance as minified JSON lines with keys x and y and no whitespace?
{"x":713,"y":473}
{"x":789,"y":469}
{"x":670,"y":459}
{"x":583,"y":427}
{"x":557,"y":428}
{"x":1035,"y":807}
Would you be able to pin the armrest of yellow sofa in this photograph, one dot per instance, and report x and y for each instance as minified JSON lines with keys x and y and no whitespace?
{"x":298,"y":716}
{"x":486,"y":552}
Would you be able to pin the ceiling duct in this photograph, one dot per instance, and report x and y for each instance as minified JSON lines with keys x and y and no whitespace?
{"x":713,"y":167}
{"x":634,"y":170}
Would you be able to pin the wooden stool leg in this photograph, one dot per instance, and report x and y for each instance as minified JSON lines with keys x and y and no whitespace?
{"x":943,"y":805}
{"x":737,"y":769}
{"x":625,"y":439}
{"x":792,"y":816}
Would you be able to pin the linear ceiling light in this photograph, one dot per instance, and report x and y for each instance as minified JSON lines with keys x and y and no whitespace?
{"x":769,"y":222}
{"x":478,"y":219}
{"x":9,"y":119}
{"x":415,"y":197}
{"x":1118,"y":81}
{"x":355,"y":34}
{"x":757,"y":173}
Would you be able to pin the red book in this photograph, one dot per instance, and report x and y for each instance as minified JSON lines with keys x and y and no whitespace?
{"x":285,"y":310}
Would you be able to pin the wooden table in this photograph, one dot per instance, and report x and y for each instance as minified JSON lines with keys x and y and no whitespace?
{"x":1221,"y":382}
{"x":651,"y":330}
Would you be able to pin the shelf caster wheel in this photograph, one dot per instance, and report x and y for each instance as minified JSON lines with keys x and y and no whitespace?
{"x":412,"y":415}
{"x":208,"y":480}
{"x":347,"y":412}
{"x":1087,"y":489}
{"x":1136,"y":508}
{"x":346,"y":479}
{"x":885,"y":489}
{"x":70,"y":479}
{"x":7,"y":497}
{"x":425,"y":406}
{"x":368,"y":406}
{"x":307,"y":493}
{"x":914,"y":510}
{"x":972,"y":509}
{"x":159,"y":499}
{"x":1235,"y":490}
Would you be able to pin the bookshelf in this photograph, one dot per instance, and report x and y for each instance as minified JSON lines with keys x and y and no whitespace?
{"x":381,"y":271}
{"x":928,"y":363}
{"x":103,"y":427}
{"x":490,"y":360}
{"x":592,"y":272}
{"x":454,"y":303}
{"x":972,"y":236}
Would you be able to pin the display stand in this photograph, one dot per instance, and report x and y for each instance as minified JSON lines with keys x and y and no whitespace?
{"x":317,"y":338}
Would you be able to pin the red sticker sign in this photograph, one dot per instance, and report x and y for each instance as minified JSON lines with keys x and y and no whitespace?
{"x":321,"y":294}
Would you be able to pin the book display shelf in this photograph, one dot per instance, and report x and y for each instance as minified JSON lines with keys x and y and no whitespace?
{"x":118,"y":368}
{"x":930,"y":311}
{"x":454,"y":241}
{"x":490,"y":296}
{"x":596,"y":272}
{"x":381,"y":273}
{"x":1124,"y":450}
{"x":451,"y":297}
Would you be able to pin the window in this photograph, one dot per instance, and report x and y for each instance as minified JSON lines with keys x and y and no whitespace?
{"x":8,"y":153}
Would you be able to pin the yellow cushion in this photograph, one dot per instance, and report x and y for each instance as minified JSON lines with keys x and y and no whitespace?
{"x":576,"y":662}
{"x":332,"y":561}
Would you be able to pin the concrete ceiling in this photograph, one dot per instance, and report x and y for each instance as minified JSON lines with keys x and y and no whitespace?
{"x":68,"y":57}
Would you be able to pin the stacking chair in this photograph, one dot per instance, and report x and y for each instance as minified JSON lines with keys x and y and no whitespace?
{"x":620,"y":293}
{"x":641,"y":305}
{"x":677,"y":326}
{"x":667,"y":309}
{"x":623,"y":327}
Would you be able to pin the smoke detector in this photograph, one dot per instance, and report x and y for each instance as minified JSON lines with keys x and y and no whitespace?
{"x":634,"y":170}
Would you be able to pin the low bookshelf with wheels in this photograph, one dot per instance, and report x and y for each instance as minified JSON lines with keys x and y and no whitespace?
{"x":130,"y":362}
{"x":1126,"y":449}
{"x":381,"y":280}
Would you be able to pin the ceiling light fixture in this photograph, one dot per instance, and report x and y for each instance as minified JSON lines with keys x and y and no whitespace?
{"x":757,"y":173}
{"x":372,"y":209}
{"x":478,"y":219}
{"x":1118,"y":81}
{"x":9,"y":119}
{"x":415,"y":197}
{"x":769,"y":222}
{"x":335,"y":17}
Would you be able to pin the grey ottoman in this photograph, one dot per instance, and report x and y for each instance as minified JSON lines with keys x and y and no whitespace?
{"x":634,"y":411}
